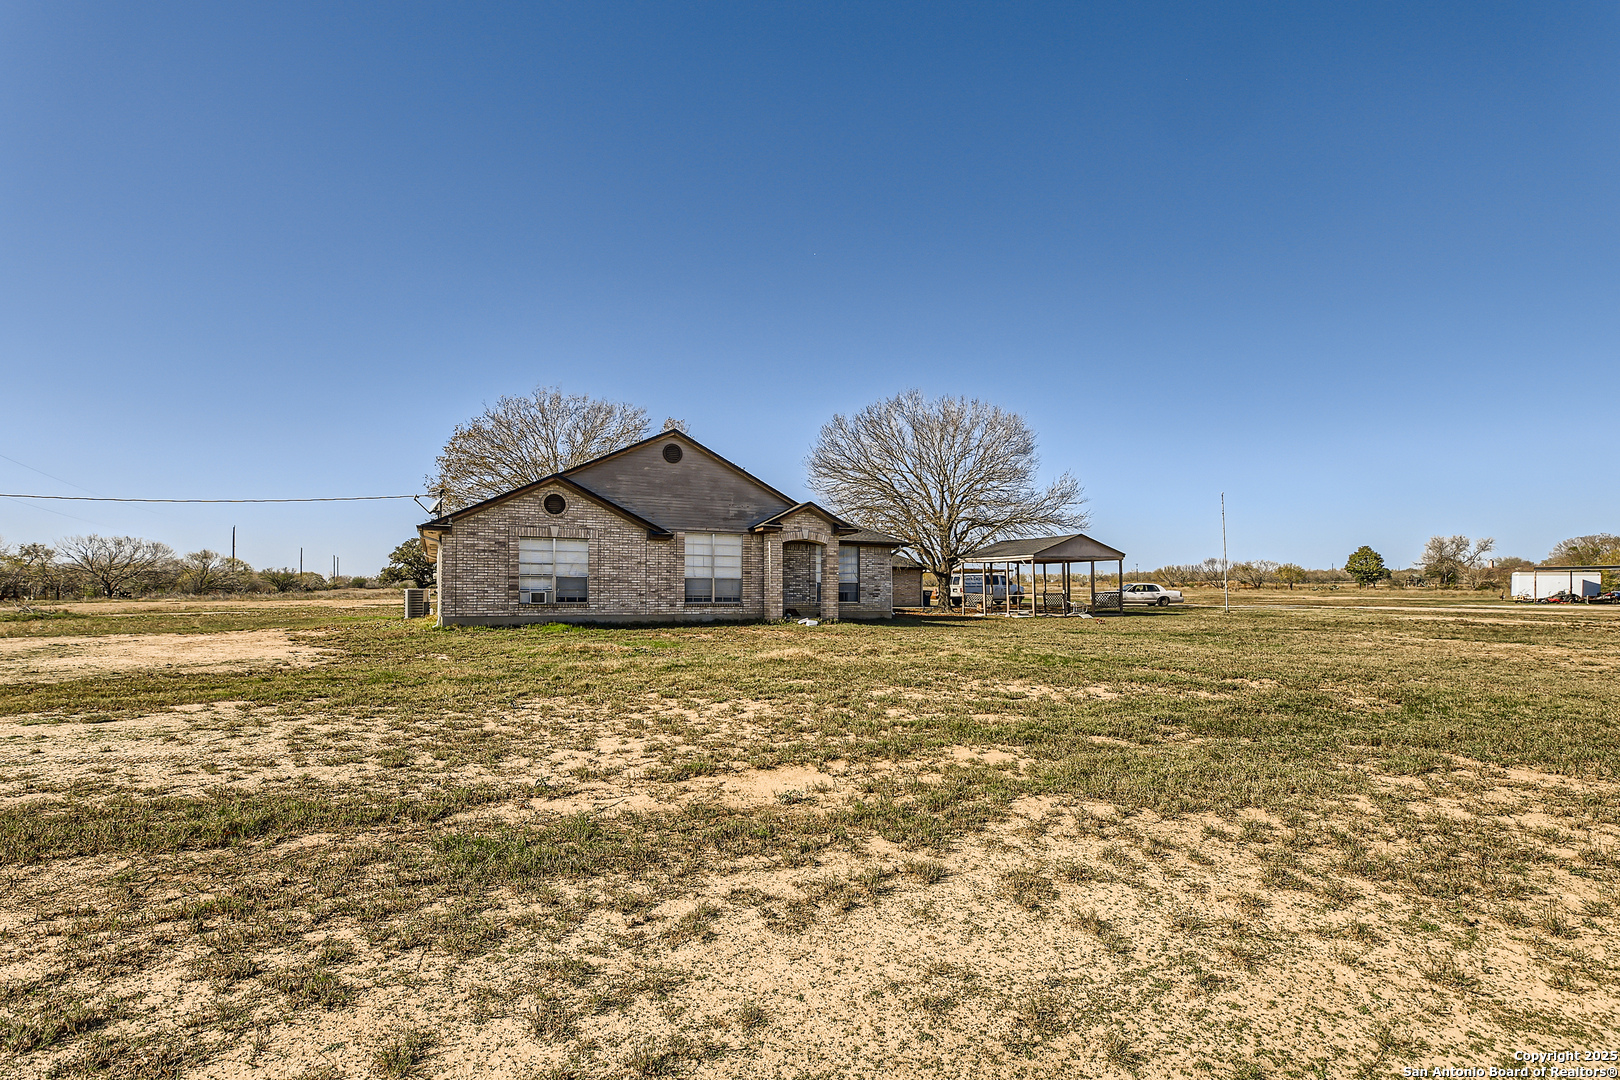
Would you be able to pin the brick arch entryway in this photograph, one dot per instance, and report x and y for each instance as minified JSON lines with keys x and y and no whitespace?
{"x":801,"y":580}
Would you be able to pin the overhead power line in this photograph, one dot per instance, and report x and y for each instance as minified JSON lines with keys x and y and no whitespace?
{"x":98,"y":498}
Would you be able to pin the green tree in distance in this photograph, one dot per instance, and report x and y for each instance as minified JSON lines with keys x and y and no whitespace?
{"x":409,"y":562}
{"x":1365,"y":565}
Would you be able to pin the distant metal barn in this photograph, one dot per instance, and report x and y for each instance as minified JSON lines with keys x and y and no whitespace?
{"x":1042,"y":552}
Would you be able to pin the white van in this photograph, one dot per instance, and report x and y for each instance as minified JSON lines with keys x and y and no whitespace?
{"x":974,"y":586}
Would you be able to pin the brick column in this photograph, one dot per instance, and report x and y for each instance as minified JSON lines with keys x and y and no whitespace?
{"x":829,"y":579}
{"x":772,"y":574}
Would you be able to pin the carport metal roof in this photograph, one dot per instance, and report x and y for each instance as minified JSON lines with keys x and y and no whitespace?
{"x":1074,"y":547}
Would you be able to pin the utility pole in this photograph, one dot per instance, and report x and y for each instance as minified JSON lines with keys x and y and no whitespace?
{"x":301,"y":550}
{"x":1226,"y":591}
{"x":233,"y":543}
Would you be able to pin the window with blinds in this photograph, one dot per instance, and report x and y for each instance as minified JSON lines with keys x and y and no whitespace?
{"x":713,"y":568}
{"x":553,"y":570}
{"x":849,"y":574}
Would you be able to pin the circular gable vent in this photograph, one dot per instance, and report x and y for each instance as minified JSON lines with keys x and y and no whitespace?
{"x":672,"y":453}
{"x":555,"y":504}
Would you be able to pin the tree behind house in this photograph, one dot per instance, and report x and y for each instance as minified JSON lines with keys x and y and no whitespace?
{"x":409,"y":563}
{"x":519,"y":440}
{"x":947,"y":475}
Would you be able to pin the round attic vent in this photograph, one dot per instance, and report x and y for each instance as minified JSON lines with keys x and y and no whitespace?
{"x":672,"y":453}
{"x":555,"y":504}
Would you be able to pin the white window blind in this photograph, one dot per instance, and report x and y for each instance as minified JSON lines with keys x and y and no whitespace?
{"x":849,"y":574}
{"x":713,"y":568}
{"x":553,"y":569}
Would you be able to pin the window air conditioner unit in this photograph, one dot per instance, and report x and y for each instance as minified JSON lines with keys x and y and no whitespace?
{"x":534,"y":597}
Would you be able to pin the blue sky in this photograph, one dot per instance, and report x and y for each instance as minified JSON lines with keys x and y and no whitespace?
{"x":1355,"y":265}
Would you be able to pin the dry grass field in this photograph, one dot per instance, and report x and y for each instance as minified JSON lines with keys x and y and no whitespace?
{"x":1327,"y":835}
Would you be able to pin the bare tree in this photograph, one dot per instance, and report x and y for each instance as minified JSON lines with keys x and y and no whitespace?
{"x":1475,"y":568}
{"x":1254,"y":573}
{"x":1447,"y":560}
{"x":519,"y":440}
{"x":29,"y":572}
{"x":115,"y":564}
{"x":1442,"y":558}
{"x":204,"y":571}
{"x":11,"y":573}
{"x":947,"y":476}
{"x":1598,"y":549}
{"x":1176,"y":574}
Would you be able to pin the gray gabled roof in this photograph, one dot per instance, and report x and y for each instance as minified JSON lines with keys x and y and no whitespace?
{"x":871,"y":536}
{"x":1072,"y":547}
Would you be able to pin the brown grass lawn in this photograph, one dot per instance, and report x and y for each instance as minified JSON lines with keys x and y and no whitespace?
{"x":1325,"y":835}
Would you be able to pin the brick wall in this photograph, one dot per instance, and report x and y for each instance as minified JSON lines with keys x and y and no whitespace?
{"x":634,"y":579}
{"x":876,"y":587}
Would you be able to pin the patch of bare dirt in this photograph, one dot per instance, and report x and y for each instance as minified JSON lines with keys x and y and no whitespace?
{"x":55,"y":659}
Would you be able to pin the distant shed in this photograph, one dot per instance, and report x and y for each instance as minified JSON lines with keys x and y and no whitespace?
{"x":1546,"y":581}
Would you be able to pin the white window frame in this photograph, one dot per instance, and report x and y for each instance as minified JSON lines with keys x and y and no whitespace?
{"x":542,"y":561}
{"x":714,"y":566}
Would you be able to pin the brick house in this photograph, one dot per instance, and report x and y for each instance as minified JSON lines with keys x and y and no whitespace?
{"x":664,"y":530}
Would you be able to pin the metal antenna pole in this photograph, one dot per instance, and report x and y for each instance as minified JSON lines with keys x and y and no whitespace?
{"x":1226,"y":591}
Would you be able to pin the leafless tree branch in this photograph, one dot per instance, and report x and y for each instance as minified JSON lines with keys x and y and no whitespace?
{"x":115,"y":563}
{"x":519,"y":440}
{"x":947,"y":475}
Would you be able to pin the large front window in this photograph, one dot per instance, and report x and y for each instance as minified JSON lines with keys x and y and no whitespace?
{"x":713,"y":568}
{"x":552,"y":570}
{"x":849,"y":574}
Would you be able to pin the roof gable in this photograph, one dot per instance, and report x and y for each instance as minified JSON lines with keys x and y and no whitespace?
{"x":699,"y":491}
{"x":775,"y":520}
{"x":559,"y":480}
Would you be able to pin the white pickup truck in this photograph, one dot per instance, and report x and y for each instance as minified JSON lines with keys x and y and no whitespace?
{"x":1155,"y":595}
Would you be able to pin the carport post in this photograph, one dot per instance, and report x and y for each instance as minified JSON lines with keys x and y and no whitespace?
{"x":1122,"y":586}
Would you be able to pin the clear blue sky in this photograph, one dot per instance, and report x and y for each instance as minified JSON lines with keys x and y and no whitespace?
{"x":1354,"y":264}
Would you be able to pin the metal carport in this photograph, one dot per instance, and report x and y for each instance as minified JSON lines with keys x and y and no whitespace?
{"x":1041,"y":551}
